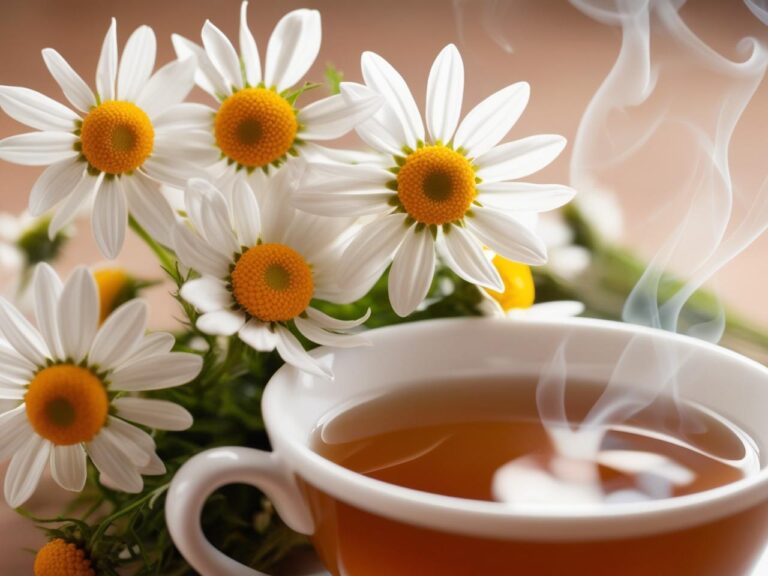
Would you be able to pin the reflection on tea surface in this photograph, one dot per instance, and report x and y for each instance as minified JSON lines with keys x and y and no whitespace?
{"x":484,"y":440}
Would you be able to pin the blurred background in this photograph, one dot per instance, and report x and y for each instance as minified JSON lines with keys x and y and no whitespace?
{"x":564,"y":54}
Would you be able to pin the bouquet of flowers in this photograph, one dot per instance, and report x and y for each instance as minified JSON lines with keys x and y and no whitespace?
{"x":279,"y":243}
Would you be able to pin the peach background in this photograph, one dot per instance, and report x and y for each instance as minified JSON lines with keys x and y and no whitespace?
{"x":563,"y":54}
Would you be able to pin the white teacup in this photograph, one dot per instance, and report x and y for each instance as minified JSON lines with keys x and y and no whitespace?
{"x":719,"y":532}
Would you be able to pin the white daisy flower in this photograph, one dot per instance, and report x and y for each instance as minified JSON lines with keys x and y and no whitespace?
{"x":448,"y":188}
{"x":256,"y":123}
{"x":12,"y":258}
{"x":261,"y":270}
{"x":73,"y":383}
{"x":517,"y":298}
{"x":566,"y":259}
{"x":116,"y":144}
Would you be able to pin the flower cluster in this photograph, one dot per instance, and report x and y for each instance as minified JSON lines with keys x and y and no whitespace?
{"x":273,"y":225}
{"x":273,"y":219}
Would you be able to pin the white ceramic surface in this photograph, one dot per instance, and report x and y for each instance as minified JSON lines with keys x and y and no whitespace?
{"x":294,"y":402}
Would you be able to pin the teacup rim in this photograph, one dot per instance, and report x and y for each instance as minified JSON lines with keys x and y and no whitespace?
{"x":499,"y":519}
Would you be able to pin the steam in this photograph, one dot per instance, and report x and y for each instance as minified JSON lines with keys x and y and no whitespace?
{"x":492,"y":15}
{"x":759,"y":8}
{"x":705,"y":240}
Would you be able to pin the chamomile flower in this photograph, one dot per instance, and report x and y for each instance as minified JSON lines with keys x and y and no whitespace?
{"x":59,"y":557}
{"x":262,"y":269}
{"x":517,"y":298}
{"x":73,"y":383}
{"x":256,"y":123}
{"x":116,"y":145}
{"x":450,"y":188}
{"x":12,"y":258}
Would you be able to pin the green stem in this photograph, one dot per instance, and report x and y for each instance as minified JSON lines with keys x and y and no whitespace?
{"x":109,"y":520}
{"x":167,"y":259}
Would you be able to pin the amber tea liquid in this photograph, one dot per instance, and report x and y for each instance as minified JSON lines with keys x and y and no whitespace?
{"x":453,"y":438}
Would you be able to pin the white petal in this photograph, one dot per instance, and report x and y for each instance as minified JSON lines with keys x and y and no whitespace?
{"x":258,"y":336}
{"x":248,"y":49}
{"x":320,"y":336}
{"x":158,"y":414}
{"x":71,"y":206}
{"x":15,"y":430}
{"x":68,"y":467}
{"x":110,"y":218}
{"x":291,"y":350}
{"x":133,"y":441}
{"x":558,"y":309}
{"x":11,"y":392}
{"x":445,"y":93}
{"x":207,"y":294}
{"x":208,"y":210}
{"x":26,"y":468}
{"x":106,"y":70}
{"x":194,"y":149}
{"x":13,"y":381}
{"x":524,"y":197}
{"x":21,"y":335}
{"x":112,"y":462}
{"x":151,"y":345}
{"x":167,"y":87}
{"x":334,"y":116}
{"x":277,"y":212}
{"x":465,"y":257}
{"x":328,"y":177}
{"x":47,"y":289}
{"x":38,"y":148}
{"x":155,"y":466}
{"x":185,"y":116}
{"x":78,"y":314}
{"x":72,"y":85}
{"x":221,"y":322}
{"x":197,"y":254}
{"x":157,"y":372}
{"x":384,"y":79}
{"x":13,"y":363}
{"x":488,"y":122}
{"x":172,"y":170}
{"x":206,"y":75}
{"x":383,"y":131}
{"x":319,"y":240}
{"x":371,"y":251}
{"x":120,"y":334}
{"x":54,"y":184}
{"x":246,"y":213}
{"x":331,"y":323}
{"x":507,"y":236}
{"x":342,"y":190}
{"x":36,"y":110}
{"x":222,"y":54}
{"x":292,"y":48}
{"x":150,"y":208}
{"x":412,"y":272}
{"x":347,"y":204}
{"x":519,"y":158}
{"x":137,"y":63}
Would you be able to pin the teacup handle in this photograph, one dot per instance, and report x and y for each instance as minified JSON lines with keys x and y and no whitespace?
{"x":199,"y":477}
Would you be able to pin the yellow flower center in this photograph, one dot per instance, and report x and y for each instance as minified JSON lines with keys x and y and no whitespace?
{"x":116,"y":137}
{"x":112,"y":283}
{"x":255,"y":127}
{"x":272,"y":282}
{"x":436,"y":185}
{"x":61,"y":558}
{"x":66,"y":404}
{"x":519,"y":290}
